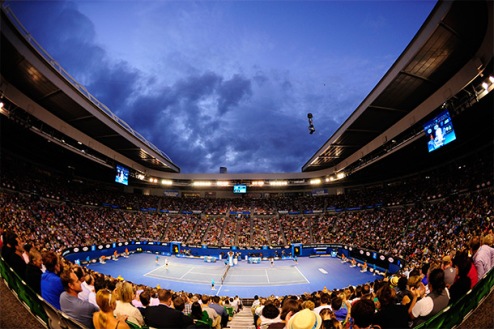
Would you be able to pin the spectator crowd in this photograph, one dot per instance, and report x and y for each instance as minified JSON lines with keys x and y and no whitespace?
{"x":441,"y":227}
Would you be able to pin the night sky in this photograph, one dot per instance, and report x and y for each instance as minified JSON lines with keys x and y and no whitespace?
{"x":227,"y":83}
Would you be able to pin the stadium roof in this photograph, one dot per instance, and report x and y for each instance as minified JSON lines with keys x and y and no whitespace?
{"x":447,"y":42}
{"x":444,"y":64}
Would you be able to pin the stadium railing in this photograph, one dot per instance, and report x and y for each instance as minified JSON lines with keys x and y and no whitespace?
{"x":456,"y":313}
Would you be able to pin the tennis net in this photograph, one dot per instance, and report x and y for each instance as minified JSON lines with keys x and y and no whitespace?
{"x":225,"y":274}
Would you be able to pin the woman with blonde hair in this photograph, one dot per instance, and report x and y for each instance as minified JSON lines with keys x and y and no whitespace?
{"x":104,"y":319}
{"x":124,"y":304}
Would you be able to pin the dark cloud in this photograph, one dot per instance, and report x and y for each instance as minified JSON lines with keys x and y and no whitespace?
{"x":202,"y":120}
{"x":232,"y":91}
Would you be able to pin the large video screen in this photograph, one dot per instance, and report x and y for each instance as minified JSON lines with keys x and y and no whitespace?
{"x":439,"y":131}
{"x":240,"y":188}
{"x":122,"y":175}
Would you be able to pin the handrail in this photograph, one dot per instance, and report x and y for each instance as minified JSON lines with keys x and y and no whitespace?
{"x":456,"y":313}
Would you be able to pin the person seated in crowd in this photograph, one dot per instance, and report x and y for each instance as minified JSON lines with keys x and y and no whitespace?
{"x":270,"y":314}
{"x":324,"y":302}
{"x":15,"y":258}
{"x":215,"y":305}
{"x":178,"y":303}
{"x":125,"y":295}
{"x":462,"y":283}
{"x":104,"y":318}
{"x":196,"y":316}
{"x":71,"y":304}
{"x":99,"y":283}
{"x":215,"y":317}
{"x":163,"y":315}
{"x":305,"y":319}
{"x":4,"y":242}
{"x":363,"y":314}
{"x":402,"y":290}
{"x":87,"y":286}
{"x":390,"y":313}
{"x":289,"y":307}
{"x":145,"y":299}
{"x":433,"y":303}
{"x":33,"y":271}
{"x":340,"y":312}
{"x":51,"y":284}
{"x":329,"y":320}
{"x":482,"y":256}
{"x":449,"y":271}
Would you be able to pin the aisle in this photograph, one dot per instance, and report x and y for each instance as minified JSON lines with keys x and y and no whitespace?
{"x":242,"y":320}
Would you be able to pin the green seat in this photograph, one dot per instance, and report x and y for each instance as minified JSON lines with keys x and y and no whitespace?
{"x":201,"y":322}
{"x":229,"y":311}
{"x":205,"y":318}
{"x":54,"y":316}
{"x":132,"y":325}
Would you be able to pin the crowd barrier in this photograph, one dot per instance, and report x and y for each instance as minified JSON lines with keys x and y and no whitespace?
{"x":49,"y":317}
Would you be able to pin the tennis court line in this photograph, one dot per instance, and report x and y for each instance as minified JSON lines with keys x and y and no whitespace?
{"x":302,"y":274}
{"x":190,"y":270}
{"x":146,"y":274}
{"x":267,"y":276}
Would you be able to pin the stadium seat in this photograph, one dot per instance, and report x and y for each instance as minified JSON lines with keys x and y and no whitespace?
{"x":54,"y":317}
{"x":202,"y":322}
{"x":132,"y":325}
{"x":69,"y":323}
{"x":206,"y":318}
{"x":230,"y":311}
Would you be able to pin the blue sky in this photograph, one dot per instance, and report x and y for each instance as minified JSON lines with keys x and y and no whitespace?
{"x":228,"y":83}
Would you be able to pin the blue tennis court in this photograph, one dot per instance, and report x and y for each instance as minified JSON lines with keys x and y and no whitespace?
{"x":244,"y":279}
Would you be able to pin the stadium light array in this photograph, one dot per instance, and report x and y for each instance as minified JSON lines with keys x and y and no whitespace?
{"x":202,"y":183}
{"x":278,"y":183}
{"x":340,"y":175}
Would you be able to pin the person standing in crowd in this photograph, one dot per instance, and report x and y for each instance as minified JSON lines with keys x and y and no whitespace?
{"x":482,"y":255}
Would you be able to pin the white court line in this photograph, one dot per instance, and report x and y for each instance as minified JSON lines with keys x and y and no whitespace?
{"x":267,"y":276}
{"x":323,"y":271}
{"x":154,"y":270}
{"x":302,"y":274}
{"x":190,"y":270}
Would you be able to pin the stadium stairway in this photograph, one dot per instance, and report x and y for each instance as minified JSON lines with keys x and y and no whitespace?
{"x":242,"y":320}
